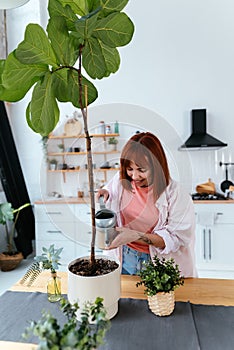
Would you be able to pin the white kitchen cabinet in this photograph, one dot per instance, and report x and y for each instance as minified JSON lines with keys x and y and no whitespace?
{"x":215,"y":240}
{"x":63,"y":225}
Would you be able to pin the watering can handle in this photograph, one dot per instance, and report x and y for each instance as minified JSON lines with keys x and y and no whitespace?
{"x":101,"y":202}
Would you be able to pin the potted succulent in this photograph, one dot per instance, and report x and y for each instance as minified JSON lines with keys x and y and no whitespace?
{"x":49,"y":260}
{"x":10,"y":258}
{"x":81,"y":35}
{"x":113,"y":143}
{"x":160,"y":278}
{"x":72,"y":335}
{"x":61,"y":147}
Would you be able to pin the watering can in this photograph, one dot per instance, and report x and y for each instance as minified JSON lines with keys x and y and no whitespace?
{"x":105,"y":222}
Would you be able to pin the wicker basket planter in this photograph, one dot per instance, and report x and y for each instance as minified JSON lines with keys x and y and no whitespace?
{"x":10,"y":262}
{"x":162,"y":304}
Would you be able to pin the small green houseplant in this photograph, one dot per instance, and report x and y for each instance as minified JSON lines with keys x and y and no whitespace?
{"x":72,"y":335}
{"x":61,"y":147}
{"x":112,"y":141}
{"x":160,"y":278}
{"x":49,"y":260}
{"x":10,"y":258}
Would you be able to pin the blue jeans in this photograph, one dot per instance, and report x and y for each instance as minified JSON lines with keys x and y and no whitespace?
{"x":132,"y":261}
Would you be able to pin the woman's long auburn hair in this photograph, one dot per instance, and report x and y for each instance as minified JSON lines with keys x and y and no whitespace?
{"x":146,"y":151}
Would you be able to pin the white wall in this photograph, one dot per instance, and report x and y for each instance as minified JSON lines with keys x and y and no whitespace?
{"x":181,"y":58}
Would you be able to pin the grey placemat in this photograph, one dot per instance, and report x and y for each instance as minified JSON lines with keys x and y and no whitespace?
{"x":136,"y":327}
{"x":215,"y":326}
{"x":17,"y":309}
{"x":190,"y":327}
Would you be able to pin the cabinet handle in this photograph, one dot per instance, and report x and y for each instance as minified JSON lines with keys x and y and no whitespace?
{"x":209,"y":244}
{"x":219,"y":214}
{"x":54,"y":212}
{"x":51,"y":231}
{"x":204,"y":244}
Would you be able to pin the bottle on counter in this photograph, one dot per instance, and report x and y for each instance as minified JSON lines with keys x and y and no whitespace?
{"x":108,"y":129}
{"x":101,"y":127}
{"x":116,"y":127}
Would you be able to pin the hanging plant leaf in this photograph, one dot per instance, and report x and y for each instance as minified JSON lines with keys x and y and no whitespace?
{"x":110,"y":6}
{"x":66,"y":88}
{"x":65,"y":46}
{"x":86,"y":24}
{"x":114,"y":30}
{"x":56,"y":9}
{"x":93,"y":59}
{"x":43,"y":104}
{"x":111,"y":57}
{"x":78,"y":6}
{"x":18,"y":78}
{"x":35,"y":48}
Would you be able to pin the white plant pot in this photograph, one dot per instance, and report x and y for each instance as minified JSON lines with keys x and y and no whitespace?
{"x":82,"y":289}
{"x":53,"y":166}
{"x":112,"y":146}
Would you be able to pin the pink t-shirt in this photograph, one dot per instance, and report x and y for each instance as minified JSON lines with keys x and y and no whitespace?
{"x":138,"y":212}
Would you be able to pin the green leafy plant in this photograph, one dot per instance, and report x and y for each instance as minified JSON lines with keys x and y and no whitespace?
{"x":81,"y":34}
{"x":61,"y":147}
{"x":112,"y":141}
{"x":53,"y":161}
{"x":49,"y":260}
{"x":9,"y":217}
{"x":160,"y":275}
{"x":72,"y":335}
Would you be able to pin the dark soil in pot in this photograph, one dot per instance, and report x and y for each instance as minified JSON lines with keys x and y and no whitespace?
{"x":83,"y":267}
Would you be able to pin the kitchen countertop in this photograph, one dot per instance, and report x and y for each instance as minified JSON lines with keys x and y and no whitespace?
{"x":227,"y":201}
{"x":86,"y":200}
{"x":63,"y":200}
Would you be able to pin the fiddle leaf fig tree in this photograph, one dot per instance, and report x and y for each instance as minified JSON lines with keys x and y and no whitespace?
{"x":80,"y":42}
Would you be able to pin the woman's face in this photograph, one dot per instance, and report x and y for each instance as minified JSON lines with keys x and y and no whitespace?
{"x":140,"y":176}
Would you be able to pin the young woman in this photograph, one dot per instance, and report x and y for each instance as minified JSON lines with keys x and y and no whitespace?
{"x":155,"y":214}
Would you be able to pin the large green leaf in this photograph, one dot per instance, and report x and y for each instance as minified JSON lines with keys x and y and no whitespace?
{"x":93,"y":60}
{"x":67,"y":89}
{"x":114,"y":30}
{"x":6,"y":213}
{"x":85,"y":25}
{"x":81,"y":7}
{"x":111,"y":57}
{"x":43,"y":114}
{"x":18,"y":78}
{"x":36,"y":48}
{"x":64,"y":45}
{"x":110,"y":6}
{"x":55,"y":9}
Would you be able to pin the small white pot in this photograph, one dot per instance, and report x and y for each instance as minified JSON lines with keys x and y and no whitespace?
{"x":87,"y":288}
{"x":112,"y":146}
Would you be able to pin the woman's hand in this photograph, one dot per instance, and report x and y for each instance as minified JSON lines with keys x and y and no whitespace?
{"x":124,"y":236}
{"x":104,"y":193}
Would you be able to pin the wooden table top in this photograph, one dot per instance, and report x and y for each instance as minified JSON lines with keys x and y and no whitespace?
{"x":196,"y":290}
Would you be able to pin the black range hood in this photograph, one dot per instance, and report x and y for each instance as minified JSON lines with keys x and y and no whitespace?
{"x":200,"y":140}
